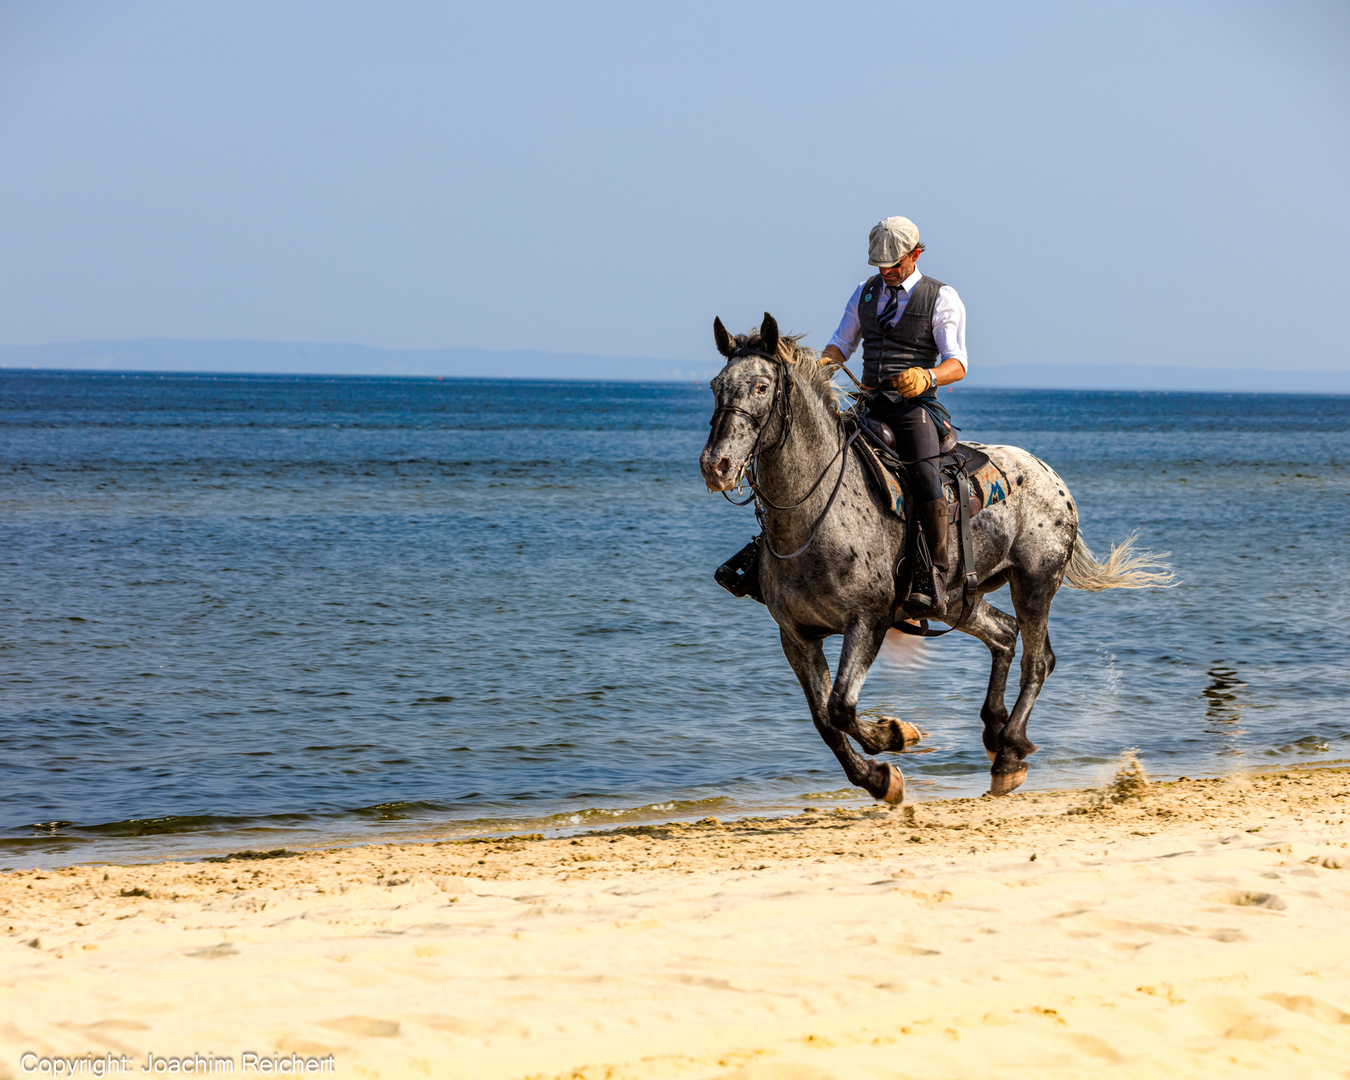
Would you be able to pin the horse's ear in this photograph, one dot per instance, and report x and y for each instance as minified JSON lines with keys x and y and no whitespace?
{"x":768,"y":335}
{"x":724,"y":343}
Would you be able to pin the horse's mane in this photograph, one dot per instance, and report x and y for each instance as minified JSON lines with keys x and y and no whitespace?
{"x":807,"y":370}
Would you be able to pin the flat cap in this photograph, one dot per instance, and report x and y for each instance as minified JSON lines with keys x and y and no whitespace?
{"x":891,"y":240}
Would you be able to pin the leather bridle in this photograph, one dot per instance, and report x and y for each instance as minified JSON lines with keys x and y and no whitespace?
{"x":782,"y":404}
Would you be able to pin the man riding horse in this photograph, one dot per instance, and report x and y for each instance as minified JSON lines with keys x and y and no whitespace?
{"x":777,"y":423}
{"x":913,"y":332}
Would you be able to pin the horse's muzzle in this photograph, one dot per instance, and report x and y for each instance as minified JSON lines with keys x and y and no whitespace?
{"x":718,"y":472}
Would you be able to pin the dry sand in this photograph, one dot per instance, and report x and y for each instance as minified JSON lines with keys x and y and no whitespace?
{"x":1196,"y":929}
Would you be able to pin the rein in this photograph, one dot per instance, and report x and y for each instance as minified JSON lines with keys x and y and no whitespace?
{"x":782,"y":404}
{"x":843,"y":468}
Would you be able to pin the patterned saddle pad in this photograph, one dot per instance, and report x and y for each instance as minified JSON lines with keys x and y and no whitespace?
{"x":988,"y":484}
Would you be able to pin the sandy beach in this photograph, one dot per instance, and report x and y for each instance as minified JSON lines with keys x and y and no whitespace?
{"x":1188,"y":929}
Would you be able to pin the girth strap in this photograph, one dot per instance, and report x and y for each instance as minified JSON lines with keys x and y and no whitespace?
{"x":967,"y":541}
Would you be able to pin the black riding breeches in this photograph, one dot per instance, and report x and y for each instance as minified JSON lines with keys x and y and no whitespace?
{"x":916,"y":443}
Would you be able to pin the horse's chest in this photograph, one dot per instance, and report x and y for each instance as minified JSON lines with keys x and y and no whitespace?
{"x":833,"y":591}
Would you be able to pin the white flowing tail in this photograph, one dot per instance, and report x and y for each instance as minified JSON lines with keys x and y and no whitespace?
{"x":1124,"y":568}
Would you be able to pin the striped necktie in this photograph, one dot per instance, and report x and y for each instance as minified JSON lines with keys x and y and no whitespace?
{"x":887,"y":315}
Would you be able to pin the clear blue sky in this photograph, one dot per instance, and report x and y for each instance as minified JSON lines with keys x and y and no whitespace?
{"x":1102,"y":182}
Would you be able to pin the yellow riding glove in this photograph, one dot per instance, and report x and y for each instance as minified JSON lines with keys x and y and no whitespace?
{"x":913,"y":381}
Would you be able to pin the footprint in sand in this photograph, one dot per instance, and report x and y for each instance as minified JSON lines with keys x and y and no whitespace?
{"x":116,"y":1025}
{"x":290,"y":1044}
{"x":364,"y":1026}
{"x":214,"y":952}
{"x":476,"y":1029}
{"x":777,"y":1070}
{"x":104,"y":1033}
{"x":1231,"y":1017}
{"x":1098,"y":1048}
{"x":1245,"y":898}
{"x":1310,"y":1006}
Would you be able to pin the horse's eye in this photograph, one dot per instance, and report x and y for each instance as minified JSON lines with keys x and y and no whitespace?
{"x":762,"y":388}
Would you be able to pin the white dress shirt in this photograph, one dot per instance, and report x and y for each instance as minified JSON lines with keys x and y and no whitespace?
{"x":949,"y":319}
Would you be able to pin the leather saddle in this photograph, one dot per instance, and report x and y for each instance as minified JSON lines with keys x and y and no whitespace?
{"x":957,"y":458}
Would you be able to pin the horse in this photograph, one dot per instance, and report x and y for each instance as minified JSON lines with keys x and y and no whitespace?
{"x":831,"y":544}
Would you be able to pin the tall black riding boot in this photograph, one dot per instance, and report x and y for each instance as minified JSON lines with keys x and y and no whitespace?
{"x":739,"y":575}
{"x":933,"y":515}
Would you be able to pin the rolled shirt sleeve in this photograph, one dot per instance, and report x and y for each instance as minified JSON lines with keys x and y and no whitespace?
{"x":949,"y":325}
{"x":849,"y":335}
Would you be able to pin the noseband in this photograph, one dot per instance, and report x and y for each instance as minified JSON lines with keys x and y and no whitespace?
{"x":782,"y":404}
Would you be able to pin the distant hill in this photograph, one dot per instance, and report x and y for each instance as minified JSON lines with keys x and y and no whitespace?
{"x":286,"y":358}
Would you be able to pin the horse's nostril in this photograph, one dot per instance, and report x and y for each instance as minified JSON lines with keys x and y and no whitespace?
{"x":723,"y":466}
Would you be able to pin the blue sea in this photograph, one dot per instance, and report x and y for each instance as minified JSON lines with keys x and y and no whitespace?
{"x":258,"y":612}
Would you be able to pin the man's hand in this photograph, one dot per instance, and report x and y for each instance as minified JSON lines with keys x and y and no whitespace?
{"x":913,"y":381}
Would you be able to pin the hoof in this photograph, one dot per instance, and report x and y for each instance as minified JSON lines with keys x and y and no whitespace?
{"x":1004,"y":783}
{"x":895,"y":789}
{"x":902,"y":732}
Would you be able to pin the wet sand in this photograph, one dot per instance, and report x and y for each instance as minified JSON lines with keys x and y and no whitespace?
{"x":1192,"y":929}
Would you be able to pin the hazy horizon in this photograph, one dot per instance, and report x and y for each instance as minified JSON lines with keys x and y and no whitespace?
{"x":318,"y":359}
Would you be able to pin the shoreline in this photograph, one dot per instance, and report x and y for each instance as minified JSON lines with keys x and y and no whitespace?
{"x":1192,"y":928}
{"x":193,"y":846}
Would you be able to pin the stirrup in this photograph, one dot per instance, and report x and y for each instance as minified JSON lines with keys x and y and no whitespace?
{"x":739,"y":575}
{"x":922,"y":599}
{"x":917,"y":602}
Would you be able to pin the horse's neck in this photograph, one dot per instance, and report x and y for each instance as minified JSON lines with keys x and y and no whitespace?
{"x":812,"y":443}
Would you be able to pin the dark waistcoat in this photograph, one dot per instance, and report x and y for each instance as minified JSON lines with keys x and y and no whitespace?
{"x":888,"y":350}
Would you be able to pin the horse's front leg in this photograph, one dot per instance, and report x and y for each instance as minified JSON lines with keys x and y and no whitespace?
{"x":862,"y":641}
{"x":881,"y":781}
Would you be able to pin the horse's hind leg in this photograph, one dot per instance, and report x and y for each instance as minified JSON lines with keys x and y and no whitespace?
{"x":998,"y":630}
{"x":882,"y":781}
{"x":1031,"y":594}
